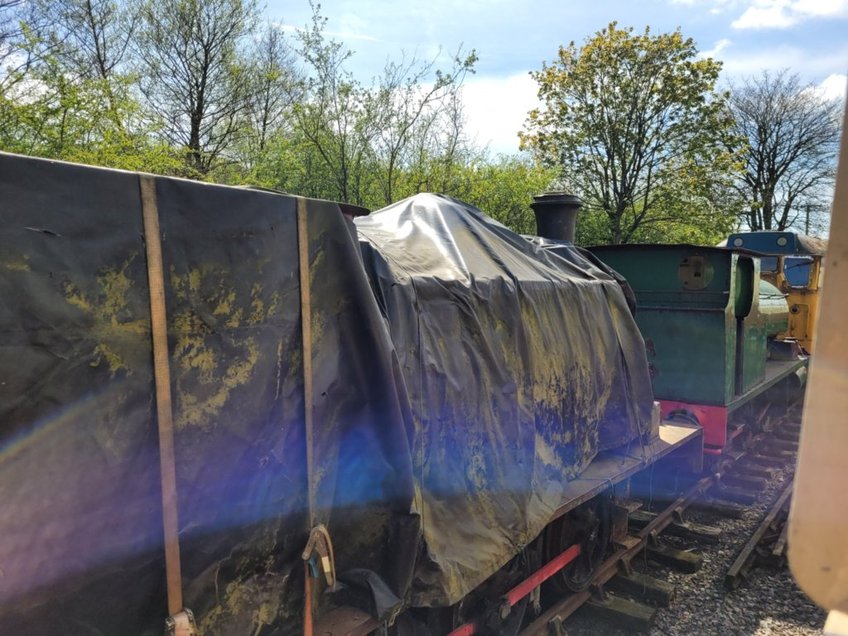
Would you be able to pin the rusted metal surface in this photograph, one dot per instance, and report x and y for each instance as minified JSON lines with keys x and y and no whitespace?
{"x":517,"y":593}
{"x":318,"y":545}
{"x":620,"y":558}
{"x":540,"y":576}
{"x":181,"y":624}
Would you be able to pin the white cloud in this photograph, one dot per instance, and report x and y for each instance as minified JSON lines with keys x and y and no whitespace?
{"x":717,"y":48}
{"x":768,"y":17}
{"x":718,"y":6}
{"x":821,"y":8}
{"x":799,"y":60}
{"x":780,"y":14}
{"x":833,"y":86}
{"x":496,"y":108}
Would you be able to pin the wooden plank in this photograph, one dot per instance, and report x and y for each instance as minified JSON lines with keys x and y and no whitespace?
{"x":644,"y":586}
{"x":769,"y":462}
{"x":752,"y":470}
{"x":750,"y":484}
{"x":687,"y":562}
{"x":781,"y":444}
{"x":627,"y":614}
{"x":688,"y":529}
{"x":723,"y":508}
{"x":734,"y":494}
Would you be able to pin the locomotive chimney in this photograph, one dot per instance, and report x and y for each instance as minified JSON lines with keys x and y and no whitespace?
{"x":556,"y":215}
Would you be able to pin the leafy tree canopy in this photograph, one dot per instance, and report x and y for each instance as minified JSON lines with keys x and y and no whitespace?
{"x":635,"y":127}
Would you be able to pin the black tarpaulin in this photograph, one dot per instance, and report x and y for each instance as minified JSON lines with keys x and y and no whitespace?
{"x":80,"y":533}
{"x":520,"y":364}
{"x":460,"y":378}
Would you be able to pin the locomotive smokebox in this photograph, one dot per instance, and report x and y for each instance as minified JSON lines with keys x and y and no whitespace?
{"x":556,"y":215}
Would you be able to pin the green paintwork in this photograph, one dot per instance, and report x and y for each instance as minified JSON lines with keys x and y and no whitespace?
{"x":702,"y":322}
{"x":774,"y":307}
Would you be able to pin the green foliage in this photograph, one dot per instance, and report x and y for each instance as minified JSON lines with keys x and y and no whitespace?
{"x":375,"y":144}
{"x":182,"y":87}
{"x":51,"y":113}
{"x":635,"y":127}
{"x":504,"y":189}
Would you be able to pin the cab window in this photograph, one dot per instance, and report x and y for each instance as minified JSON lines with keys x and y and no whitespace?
{"x":796,"y":269}
{"x":768,"y":263}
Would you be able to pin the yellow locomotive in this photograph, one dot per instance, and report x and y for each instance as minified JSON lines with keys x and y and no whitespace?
{"x":793,"y":263}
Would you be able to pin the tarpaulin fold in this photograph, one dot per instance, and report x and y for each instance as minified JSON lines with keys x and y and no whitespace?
{"x":521,"y":364}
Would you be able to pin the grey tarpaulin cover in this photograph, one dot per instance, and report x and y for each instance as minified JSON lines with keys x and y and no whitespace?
{"x":520,"y":364}
{"x":80,"y":530}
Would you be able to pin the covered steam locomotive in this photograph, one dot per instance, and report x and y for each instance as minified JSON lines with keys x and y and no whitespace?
{"x":341,"y":423}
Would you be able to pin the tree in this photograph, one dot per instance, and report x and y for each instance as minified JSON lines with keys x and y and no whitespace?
{"x":194,"y":74}
{"x":792,"y":136}
{"x":625,"y":118}
{"x":504,"y":189}
{"x":91,"y":37}
{"x":21,"y":27}
{"x":331,"y":118}
{"x":276,"y":87}
{"x":408,"y":112}
{"x":89,"y":40}
{"x":373,"y":141}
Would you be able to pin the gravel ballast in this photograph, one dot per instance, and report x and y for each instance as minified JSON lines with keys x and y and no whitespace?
{"x":767,"y":603}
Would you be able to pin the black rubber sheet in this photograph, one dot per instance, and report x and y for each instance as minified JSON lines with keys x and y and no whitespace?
{"x":81,"y":533}
{"x":521,"y":363}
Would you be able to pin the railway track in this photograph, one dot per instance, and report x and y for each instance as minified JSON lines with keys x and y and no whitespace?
{"x":768,"y":541}
{"x":619,"y":595}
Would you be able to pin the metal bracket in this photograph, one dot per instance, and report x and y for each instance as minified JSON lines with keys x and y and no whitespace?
{"x":319,"y":543}
{"x":653,"y":538}
{"x":181,"y":624}
{"x":536,"y":601}
{"x":598,"y":591}
{"x":555,"y":627}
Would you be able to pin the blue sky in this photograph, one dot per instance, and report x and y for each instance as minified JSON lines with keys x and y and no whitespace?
{"x":512,"y":38}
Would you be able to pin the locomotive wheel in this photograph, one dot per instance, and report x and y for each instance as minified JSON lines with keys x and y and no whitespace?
{"x":589,"y":527}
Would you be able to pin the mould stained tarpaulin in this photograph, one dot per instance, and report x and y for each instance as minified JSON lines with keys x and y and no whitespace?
{"x":81,"y":530}
{"x":520,"y":365}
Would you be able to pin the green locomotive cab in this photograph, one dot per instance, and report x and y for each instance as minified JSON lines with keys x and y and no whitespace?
{"x":708,"y":320}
